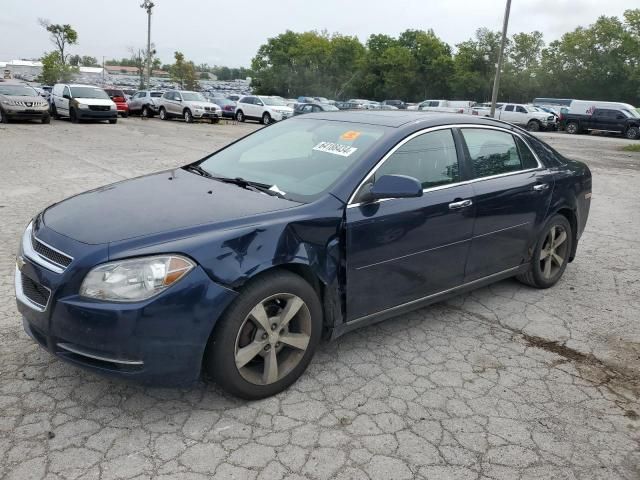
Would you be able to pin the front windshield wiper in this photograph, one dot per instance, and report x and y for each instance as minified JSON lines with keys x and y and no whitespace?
{"x":241,"y":182}
{"x":197,"y":169}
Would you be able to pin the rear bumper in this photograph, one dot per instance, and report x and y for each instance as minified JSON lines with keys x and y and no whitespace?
{"x":160,"y":341}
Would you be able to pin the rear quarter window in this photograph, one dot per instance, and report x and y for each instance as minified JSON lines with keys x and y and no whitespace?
{"x":547,"y":155}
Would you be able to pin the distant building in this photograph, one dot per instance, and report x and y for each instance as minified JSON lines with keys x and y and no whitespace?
{"x":23,"y":67}
{"x":124,"y":70}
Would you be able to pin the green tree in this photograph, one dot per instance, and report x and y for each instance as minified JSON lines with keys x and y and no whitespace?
{"x":184,"y":72}
{"x":53,"y":70}
{"x":61,"y":36}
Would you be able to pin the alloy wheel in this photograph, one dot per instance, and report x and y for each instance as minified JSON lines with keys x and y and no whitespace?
{"x":554,"y":252}
{"x":273,"y":338}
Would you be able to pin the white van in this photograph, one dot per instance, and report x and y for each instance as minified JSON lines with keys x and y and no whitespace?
{"x":447,"y":106}
{"x":82,"y":102}
{"x":587,"y":107}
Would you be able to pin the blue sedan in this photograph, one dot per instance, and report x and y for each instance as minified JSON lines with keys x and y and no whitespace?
{"x":238,"y":264}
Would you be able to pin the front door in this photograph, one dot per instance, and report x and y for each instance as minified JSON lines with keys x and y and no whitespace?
{"x":512,"y":192}
{"x":403,"y":249}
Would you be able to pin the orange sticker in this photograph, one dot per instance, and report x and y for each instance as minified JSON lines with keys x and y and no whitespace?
{"x":350,"y":135}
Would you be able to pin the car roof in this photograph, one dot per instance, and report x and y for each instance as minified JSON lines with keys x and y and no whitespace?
{"x":399,"y":118}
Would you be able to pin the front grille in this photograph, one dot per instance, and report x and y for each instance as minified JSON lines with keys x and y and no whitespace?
{"x":35,"y":292}
{"x":50,"y":254}
{"x":100,"y":108}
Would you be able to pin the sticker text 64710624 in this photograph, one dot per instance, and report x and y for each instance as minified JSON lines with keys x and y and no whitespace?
{"x":335,"y":148}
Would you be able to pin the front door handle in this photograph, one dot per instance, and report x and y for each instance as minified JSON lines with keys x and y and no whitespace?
{"x":539,"y":187}
{"x":460,"y":204}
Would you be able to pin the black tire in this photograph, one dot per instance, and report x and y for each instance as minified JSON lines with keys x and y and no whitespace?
{"x":536,"y":277}
{"x":220,"y":357}
{"x":163,"y":114}
{"x":266,"y":118}
{"x":3,"y":117}
{"x":240,"y":116}
{"x":73,"y":116}
{"x":572,"y":128}
{"x":125,"y":115}
{"x":632,"y":133}
{"x":46,"y":119}
{"x":113,"y":121}
{"x":533,"y":126}
{"x":54,"y":112}
{"x":146,"y":112}
{"x":188,"y":116}
{"x":215,"y":120}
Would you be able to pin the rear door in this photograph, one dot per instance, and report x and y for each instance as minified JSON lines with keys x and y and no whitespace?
{"x":512,"y":191}
{"x":403,"y":249}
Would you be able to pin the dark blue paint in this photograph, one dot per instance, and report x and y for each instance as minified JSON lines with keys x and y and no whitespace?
{"x":363,"y":259}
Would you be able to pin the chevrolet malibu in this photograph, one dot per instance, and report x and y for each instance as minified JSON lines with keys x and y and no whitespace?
{"x":238,"y":264}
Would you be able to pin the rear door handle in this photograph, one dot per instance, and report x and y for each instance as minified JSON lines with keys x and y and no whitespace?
{"x":460,"y":204}
{"x":539,"y":187}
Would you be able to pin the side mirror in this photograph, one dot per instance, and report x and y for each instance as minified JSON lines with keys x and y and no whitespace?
{"x":393,"y":186}
{"x":67,"y":96}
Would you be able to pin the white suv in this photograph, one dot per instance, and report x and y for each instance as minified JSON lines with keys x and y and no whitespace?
{"x":262,"y":108}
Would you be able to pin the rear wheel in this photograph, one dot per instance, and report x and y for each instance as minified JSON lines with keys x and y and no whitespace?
{"x":163,"y":114}
{"x":533,"y":126}
{"x":632,"y":133}
{"x":240,"y":116}
{"x":572,"y":128}
{"x":551,"y":255}
{"x":3,"y":117}
{"x":188,"y":116}
{"x":267,"y":337}
{"x":145,"y":112}
{"x":54,"y":112}
{"x":73,"y":115}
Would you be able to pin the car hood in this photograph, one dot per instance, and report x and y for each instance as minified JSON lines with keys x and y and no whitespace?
{"x":95,"y":101}
{"x":161,"y":202}
{"x":202,"y":104}
{"x":23,"y":98}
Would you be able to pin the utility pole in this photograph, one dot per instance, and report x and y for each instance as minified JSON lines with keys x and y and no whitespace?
{"x":496,"y":80}
{"x":103,"y":70}
{"x":148,"y":6}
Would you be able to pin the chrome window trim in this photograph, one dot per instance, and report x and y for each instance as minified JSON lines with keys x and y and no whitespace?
{"x":31,"y":254}
{"x":22,"y":298}
{"x":351,"y":204}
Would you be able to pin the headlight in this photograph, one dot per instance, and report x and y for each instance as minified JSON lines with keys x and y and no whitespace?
{"x":135,"y":279}
{"x":8,"y":102}
{"x":113,"y":106}
{"x":83,"y":106}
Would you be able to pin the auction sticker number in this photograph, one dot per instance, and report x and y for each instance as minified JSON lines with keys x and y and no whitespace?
{"x":335,"y":148}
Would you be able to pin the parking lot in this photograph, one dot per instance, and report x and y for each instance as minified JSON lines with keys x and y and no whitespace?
{"x":507,"y":382}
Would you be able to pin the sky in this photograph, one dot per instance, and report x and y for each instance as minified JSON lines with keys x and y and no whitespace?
{"x":225,"y":32}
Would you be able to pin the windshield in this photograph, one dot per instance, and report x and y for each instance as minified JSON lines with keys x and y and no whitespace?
{"x":192,"y":97}
{"x":115,"y":93}
{"x":88,"y":92}
{"x":18,"y":90}
{"x":273,"y":102}
{"x":301,"y":157}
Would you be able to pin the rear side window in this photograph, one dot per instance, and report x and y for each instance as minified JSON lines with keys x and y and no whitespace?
{"x":526,"y":156}
{"x":493,"y":152}
{"x":548,"y":155}
{"x":431,"y":158}
{"x":508,"y":108}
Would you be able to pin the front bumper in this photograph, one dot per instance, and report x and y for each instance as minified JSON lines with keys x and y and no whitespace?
{"x":159,"y":341}
{"x":206,"y":114}
{"x":96,"y":114}
{"x":26,"y":113}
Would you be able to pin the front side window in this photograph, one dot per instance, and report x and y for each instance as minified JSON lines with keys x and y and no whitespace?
{"x":430,"y":158}
{"x":493,"y":152}
{"x":521,"y":110}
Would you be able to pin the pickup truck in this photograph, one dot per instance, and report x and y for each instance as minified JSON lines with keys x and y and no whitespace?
{"x":532,"y":118}
{"x":623,"y":122}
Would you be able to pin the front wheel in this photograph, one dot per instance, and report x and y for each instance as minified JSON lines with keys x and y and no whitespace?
{"x":572,"y":128}
{"x":267,"y":337}
{"x":46,"y":119}
{"x":145,"y":112}
{"x":3,"y":117}
{"x":113,"y":121}
{"x":533,"y":126}
{"x":266,"y":118}
{"x":188,"y":116}
{"x":632,"y":133}
{"x":551,"y":255}
{"x":163,"y":114}
{"x":240,"y":116}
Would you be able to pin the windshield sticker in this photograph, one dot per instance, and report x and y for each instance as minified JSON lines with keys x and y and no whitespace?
{"x":335,"y":148}
{"x":350,"y":135}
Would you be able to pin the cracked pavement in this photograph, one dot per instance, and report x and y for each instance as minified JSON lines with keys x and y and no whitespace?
{"x":506,"y":382}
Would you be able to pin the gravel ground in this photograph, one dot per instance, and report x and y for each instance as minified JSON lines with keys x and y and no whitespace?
{"x":504,"y":383}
